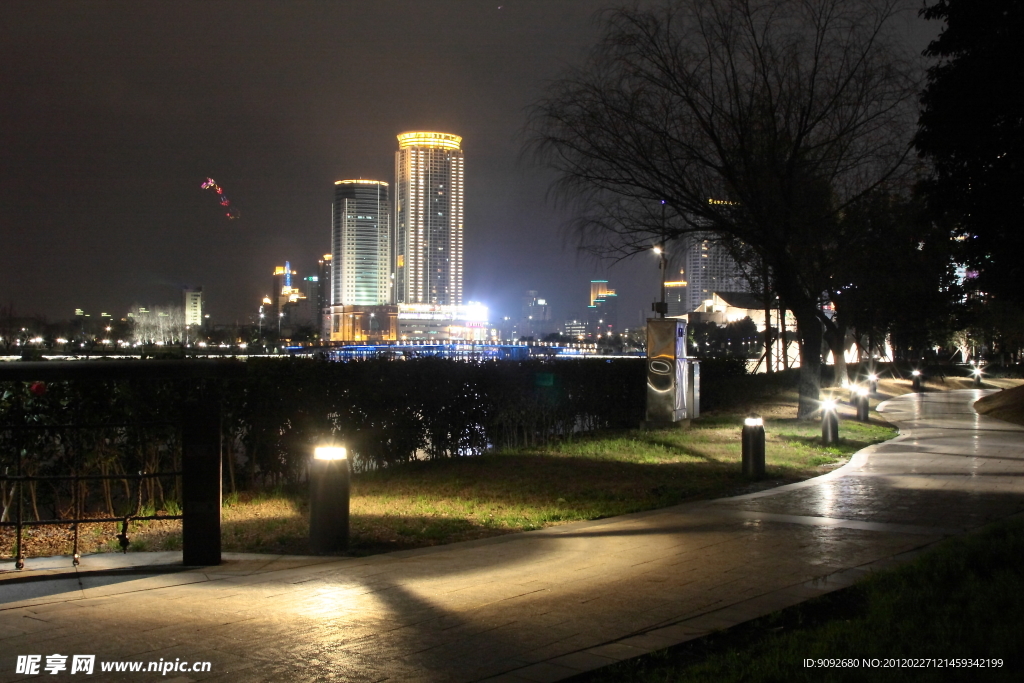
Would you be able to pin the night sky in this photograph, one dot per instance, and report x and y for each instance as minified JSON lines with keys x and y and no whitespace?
{"x":113,"y":113}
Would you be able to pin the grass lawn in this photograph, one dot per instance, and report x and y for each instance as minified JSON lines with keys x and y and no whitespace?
{"x":961,"y":599}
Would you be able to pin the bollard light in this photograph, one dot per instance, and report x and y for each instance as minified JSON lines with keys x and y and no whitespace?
{"x":977,"y":376}
{"x":753,"y":447}
{"x":829,"y":422}
{"x":917,"y":379}
{"x":861,"y":402}
{"x":329,"y":492}
{"x":873,"y":383}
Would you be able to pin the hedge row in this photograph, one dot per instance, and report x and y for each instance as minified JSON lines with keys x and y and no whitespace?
{"x":385,"y":411}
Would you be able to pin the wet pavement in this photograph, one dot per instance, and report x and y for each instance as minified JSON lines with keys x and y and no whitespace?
{"x":537,"y":606}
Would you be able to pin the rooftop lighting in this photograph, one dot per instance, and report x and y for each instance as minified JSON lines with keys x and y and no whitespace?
{"x":428,"y":139}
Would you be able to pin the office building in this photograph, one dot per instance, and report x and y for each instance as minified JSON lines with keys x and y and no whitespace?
{"x":603,"y":310}
{"x":323,"y":294}
{"x":193,"y":306}
{"x":706,"y":268}
{"x":360,"y":243}
{"x":428,"y":254}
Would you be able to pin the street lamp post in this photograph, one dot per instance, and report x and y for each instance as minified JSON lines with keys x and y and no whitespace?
{"x":661,"y":307}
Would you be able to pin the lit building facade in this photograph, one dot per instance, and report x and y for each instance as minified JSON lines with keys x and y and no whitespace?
{"x":360,"y":243}
{"x":603,"y":310}
{"x":706,"y":268}
{"x":323,"y":294}
{"x":427,"y":322}
{"x":428,"y":253}
{"x":193,"y":306}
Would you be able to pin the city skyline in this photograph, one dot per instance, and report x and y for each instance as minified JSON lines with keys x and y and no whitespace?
{"x":116,"y":113}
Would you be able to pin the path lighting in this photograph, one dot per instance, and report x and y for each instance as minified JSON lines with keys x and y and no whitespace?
{"x":861,"y":402}
{"x":873,"y":383}
{"x":976,"y":371}
{"x":753,"y":447}
{"x":329,"y":491}
{"x":917,"y":379}
{"x":829,"y":422}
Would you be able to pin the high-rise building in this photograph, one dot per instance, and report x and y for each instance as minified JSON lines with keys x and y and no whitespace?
{"x":193,"y":306}
{"x":603,"y":311}
{"x":706,"y":268}
{"x":428,"y":254}
{"x":361,"y":243}
{"x":323,"y":294}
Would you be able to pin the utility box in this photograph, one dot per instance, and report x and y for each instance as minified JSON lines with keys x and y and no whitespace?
{"x":673,"y":382}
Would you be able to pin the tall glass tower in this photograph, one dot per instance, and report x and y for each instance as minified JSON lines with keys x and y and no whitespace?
{"x":428,"y":219}
{"x":360,"y":243}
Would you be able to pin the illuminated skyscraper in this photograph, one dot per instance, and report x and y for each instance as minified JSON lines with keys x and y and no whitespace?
{"x":428,"y":219}
{"x":360,"y":243}
{"x":706,"y":268}
{"x":193,"y":306}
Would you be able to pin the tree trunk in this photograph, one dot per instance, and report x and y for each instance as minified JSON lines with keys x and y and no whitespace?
{"x":809,"y":331}
{"x":767,"y":324}
{"x":835,"y":335}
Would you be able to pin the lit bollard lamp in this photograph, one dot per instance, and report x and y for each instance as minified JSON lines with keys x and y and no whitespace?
{"x":873,"y":383}
{"x":860,"y":401}
{"x":329,"y":491}
{"x":753,"y":447}
{"x":829,"y":422}
{"x":977,"y":376}
{"x":917,"y":380}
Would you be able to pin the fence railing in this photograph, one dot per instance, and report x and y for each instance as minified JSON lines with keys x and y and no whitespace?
{"x":54,"y":455}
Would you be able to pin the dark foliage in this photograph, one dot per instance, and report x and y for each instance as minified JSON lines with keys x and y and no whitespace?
{"x":972,"y":130}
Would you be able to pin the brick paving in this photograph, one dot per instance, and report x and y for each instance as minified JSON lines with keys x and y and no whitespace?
{"x":537,"y":606}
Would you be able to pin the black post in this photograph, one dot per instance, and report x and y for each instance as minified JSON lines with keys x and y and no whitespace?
{"x":862,"y":408}
{"x":829,"y":425}
{"x":201,"y":484}
{"x":753,"y":447}
{"x":329,"y":492}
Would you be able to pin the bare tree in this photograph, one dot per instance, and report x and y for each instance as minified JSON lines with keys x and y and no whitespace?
{"x":761,"y":120}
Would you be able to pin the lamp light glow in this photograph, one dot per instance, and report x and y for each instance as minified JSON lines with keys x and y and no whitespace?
{"x":916,"y":373}
{"x":828,"y":404}
{"x":860,"y":391}
{"x":753,"y":421}
{"x":873,"y":377}
{"x":330,"y":453}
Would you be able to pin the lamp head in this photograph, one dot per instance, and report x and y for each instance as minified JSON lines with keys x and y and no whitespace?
{"x":330,"y":453}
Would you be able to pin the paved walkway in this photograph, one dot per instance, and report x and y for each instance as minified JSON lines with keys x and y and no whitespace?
{"x":542,"y":605}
